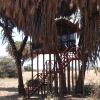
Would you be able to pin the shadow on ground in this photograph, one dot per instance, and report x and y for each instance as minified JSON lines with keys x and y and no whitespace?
{"x":10,"y":97}
{"x":7,"y":93}
{"x":12,"y":89}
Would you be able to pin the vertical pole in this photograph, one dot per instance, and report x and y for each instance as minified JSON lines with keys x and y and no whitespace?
{"x":43,"y":65}
{"x":50,"y":73}
{"x":37,"y":66}
{"x":62,"y":81}
{"x":46,"y":68}
{"x":75,"y":70}
{"x":31,"y":48}
{"x":68,"y":74}
{"x":31,"y":53}
{"x":64,"y":71}
{"x":72,"y":75}
{"x":60,"y":74}
{"x":44,"y":72}
{"x":79,"y":65}
{"x":56,"y":78}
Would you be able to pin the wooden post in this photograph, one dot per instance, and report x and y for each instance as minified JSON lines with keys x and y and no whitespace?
{"x":64,"y":71}
{"x":37,"y":65}
{"x":75,"y":70}
{"x":56,"y":78}
{"x":43,"y":65}
{"x":79,"y":65}
{"x":44,"y":72}
{"x":68,"y":74}
{"x":38,"y":69}
{"x":62,"y":81}
{"x":72,"y":75}
{"x":31,"y":51}
{"x":50,"y":73}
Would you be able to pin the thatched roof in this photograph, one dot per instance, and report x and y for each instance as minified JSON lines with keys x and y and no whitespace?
{"x":36,"y":17}
{"x":20,"y":11}
{"x":90,"y":21}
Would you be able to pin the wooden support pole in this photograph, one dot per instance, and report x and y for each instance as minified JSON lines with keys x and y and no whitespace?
{"x":37,"y":65}
{"x":75,"y":71}
{"x":46,"y":67}
{"x":72,"y":74}
{"x":44,"y":72}
{"x":43,"y":64}
{"x":38,"y":68}
{"x":62,"y":81}
{"x":64,"y":70}
{"x":31,"y":51}
{"x":79,"y":65}
{"x":50,"y":72}
{"x":56,"y":78}
{"x":32,"y":66}
{"x":68,"y":73}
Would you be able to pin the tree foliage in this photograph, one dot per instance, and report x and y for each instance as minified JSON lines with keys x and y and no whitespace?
{"x":7,"y":25}
{"x":7,"y":68}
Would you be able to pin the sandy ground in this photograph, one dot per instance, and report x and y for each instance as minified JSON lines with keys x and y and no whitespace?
{"x":8,"y":87}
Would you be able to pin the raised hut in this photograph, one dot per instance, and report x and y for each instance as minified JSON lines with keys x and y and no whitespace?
{"x":52,"y":32}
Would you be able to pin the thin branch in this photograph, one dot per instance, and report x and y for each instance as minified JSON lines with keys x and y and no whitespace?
{"x":2,"y":25}
{"x":23,"y":44}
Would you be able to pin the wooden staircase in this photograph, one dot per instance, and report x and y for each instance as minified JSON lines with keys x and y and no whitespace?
{"x":39,"y":81}
{"x":42,"y":80}
{"x":69,"y":55}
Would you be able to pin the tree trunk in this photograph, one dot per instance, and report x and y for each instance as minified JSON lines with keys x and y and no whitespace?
{"x":62,"y":76}
{"x":16,"y":53}
{"x":21,"y":88}
{"x":68,"y":75}
{"x":63,"y":83}
{"x":79,"y":89}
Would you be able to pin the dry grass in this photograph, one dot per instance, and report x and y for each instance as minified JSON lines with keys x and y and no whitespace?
{"x":8,"y":87}
{"x":92,"y":78}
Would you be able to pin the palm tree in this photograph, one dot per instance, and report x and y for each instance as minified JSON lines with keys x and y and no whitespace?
{"x":7,"y":26}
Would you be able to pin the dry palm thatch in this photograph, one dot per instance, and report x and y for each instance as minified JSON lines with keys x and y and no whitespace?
{"x":20,"y":11}
{"x":36,"y":17}
{"x":90,"y":12}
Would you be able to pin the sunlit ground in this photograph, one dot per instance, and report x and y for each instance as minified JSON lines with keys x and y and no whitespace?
{"x":8,"y":87}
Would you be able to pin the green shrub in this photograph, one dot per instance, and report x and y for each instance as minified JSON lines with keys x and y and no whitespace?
{"x":88,"y":89}
{"x":92,"y":90}
{"x":27,"y":68}
{"x":8,"y":71}
{"x":98,"y":69}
